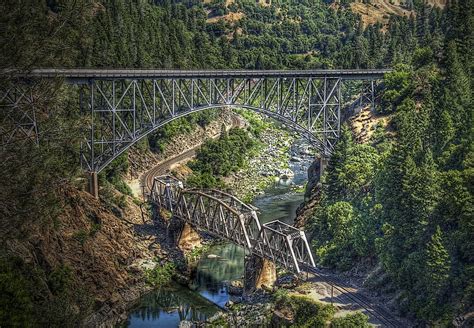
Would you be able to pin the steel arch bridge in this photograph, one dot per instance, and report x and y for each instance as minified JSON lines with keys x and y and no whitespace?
{"x":123,"y":106}
{"x":225,"y":216}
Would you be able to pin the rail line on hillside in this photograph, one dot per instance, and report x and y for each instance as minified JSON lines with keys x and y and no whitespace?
{"x":378,"y":312}
{"x":162,"y":167}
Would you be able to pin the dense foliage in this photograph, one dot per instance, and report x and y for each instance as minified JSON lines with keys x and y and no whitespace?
{"x":163,"y":136}
{"x":290,"y":34}
{"x":160,"y":275}
{"x":32,"y":296}
{"x":220,"y":157}
{"x":406,"y":200}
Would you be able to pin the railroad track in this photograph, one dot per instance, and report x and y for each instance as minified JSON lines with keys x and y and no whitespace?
{"x":374,"y":310}
{"x":163,"y":167}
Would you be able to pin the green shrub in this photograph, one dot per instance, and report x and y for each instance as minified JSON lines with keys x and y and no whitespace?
{"x":221,"y":157}
{"x":307,"y":312}
{"x":356,"y":320}
{"x":160,"y":275}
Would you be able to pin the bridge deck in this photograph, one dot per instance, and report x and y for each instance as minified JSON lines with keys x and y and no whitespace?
{"x":82,"y":73}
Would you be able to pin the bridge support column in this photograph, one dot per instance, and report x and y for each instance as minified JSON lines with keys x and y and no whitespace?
{"x":323,"y":164}
{"x":188,"y":238}
{"x":94,"y":184}
{"x":259,"y":273}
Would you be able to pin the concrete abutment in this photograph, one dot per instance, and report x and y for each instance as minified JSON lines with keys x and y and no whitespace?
{"x":188,"y":239}
{"x":259,"y":273}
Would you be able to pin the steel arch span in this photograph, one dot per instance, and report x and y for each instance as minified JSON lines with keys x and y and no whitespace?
{"x":225,"y":216}
{"x":123,"y":106}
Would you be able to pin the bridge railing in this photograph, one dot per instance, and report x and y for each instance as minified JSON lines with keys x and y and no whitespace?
{"x":286,"y":244}
{"x":165,"y":191}
{"x":226,"y":216}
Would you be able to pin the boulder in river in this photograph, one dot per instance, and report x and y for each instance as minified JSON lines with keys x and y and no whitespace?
{"x":286,"y":174}
{"x":236,"y":287}
{"x":186,"y":324}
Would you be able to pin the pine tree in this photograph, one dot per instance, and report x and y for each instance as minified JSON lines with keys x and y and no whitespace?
{"x":334,"y":186}
{"x":457,"y":93}
{"x":437,"y":264}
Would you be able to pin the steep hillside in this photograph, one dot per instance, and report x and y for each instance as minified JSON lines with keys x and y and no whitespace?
{"x":379,"y":11}
{"x":90,"y":259}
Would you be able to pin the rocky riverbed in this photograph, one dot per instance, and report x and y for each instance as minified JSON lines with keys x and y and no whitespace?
{"x":269,"y":163}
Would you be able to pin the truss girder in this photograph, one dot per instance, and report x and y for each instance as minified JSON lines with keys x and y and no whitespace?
{"x":120,"y":109}
{"x":225,"y":216}
{"x":18,"y":114}
{"x":123,"y":111}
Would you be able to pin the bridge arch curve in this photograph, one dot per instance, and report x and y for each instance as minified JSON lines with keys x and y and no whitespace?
{"x":294,"y":126}
{"x":124,"y":107}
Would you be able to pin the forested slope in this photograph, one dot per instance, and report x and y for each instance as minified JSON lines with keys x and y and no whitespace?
{"x":287,"y":34}
{"x":400,"y":191}
{"x":405,"y":201}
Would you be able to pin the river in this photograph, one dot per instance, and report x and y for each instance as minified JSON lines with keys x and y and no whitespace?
{"x":222,"y":263}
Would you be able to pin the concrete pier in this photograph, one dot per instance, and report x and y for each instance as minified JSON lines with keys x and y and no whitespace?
{"x":259,"y":273}
{"x":94,"y":184}
{"x":188,"y":238}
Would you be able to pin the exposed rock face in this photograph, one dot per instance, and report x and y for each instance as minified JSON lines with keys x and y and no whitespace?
{"x":101,"y":250}
{"x":267,"y":275}
{"x":257,"y":314}
{"x":188,"y":239}
{"x":314,"y":172}
{"x":364,"y":123}
{"x":141,"y":161}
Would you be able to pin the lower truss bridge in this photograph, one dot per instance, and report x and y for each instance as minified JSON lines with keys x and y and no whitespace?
{"x":225,"y":216}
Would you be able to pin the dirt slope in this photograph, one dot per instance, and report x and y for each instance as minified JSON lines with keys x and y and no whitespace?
{"x":97,"y":242}
{"x":379,"y":11}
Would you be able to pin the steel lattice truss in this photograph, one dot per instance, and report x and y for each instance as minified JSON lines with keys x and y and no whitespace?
{"x":225,"y":216}
{"x":18,"y":114}
{"x":124,"y":111}
{"x":122,"y":106}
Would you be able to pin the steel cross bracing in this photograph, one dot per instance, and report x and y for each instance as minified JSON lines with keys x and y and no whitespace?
{"x":18,"y":114}
{"x":122,"y":106}
{"x":225,"y":216}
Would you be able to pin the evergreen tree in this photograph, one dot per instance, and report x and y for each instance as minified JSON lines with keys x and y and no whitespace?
{"x":458,"y":93}
{"x":338,"y":158}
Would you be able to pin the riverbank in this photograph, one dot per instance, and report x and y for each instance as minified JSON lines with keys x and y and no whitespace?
{"x":268,"y":162}
{"x":274,"y":157}
{"x":223,"y":263}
